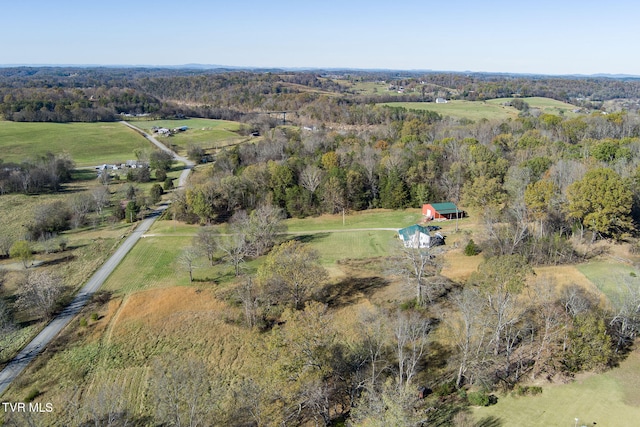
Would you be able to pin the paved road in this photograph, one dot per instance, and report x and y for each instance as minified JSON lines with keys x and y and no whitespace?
{"x":185,"y":173}
{"x":33,"y":349}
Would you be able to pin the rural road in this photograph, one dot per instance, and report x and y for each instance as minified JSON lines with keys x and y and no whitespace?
{"x":35,"y":347}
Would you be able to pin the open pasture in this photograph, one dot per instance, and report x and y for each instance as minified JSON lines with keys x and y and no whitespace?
{"x":206,"y":133}
{"x":546,"y":105}
{"x":469,"y":110}
{"x":88,"y":144}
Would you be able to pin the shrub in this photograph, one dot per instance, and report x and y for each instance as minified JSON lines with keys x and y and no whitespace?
{"x":94,"y":316}
{"x":168,"y":184}
{"x":471,"y":249}
{"x":32,"y":395}
{"x":161,"y":175}
{"x":444,"y":389}
{"x":522,"y":390}
{"x":478,"y":398}
{"x":156,"y":193}
{"x":83,"y":322}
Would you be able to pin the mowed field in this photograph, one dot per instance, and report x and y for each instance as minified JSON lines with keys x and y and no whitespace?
{"x":206,"y":133}
{"x":459,"y":109}
{"x":546,"y":105}
{"x":608,"y":399}
{"x":491,"y":110}
{"x":88,"y":144}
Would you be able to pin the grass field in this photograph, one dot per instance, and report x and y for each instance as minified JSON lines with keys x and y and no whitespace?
{"x":608,"y":399}
{"x":492,"y":109}
{"x":209,"y":134}
{"x":470,"y":110}
{"x":606,"y":275}
{"x":88,"y":144}
{"x":546,"y":105}
{"x":377,"y":218}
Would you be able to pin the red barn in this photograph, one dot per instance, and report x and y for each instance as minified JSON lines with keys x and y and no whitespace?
{"x":446,"y":210}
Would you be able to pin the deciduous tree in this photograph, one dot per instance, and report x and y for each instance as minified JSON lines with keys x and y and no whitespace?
{"x":291,"y":272}
{"x":602,"y":202}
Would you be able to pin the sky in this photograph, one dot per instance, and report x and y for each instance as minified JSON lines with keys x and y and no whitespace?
{"x":539,"y":37}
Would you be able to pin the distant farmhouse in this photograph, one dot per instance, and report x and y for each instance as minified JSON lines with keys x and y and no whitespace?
{"x":446,"y":210}
{"x":418,"y":236}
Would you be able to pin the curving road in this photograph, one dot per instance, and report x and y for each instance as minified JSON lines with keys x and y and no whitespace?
{"x":35,"y":347}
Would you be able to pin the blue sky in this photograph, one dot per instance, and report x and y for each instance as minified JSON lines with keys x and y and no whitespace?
{"x":547,"y":37}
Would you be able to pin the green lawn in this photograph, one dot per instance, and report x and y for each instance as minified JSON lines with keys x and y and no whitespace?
{"x":608,"y":399}
{"x":152,"y":263}
{"x":606,"y":275}
{"x":333,"y":247}
{"x":88,"y":144}
{"x":377,"y":218}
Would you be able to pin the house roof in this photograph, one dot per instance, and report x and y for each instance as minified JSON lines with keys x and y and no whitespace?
{"x":445,"y":208}
{"x":410,"y":231}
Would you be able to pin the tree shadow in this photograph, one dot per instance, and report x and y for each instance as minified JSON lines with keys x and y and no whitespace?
{"x":309,"y":238}
{"x":350,"y":290}
{"x":489,"y":421}
{"x":61,"y":260}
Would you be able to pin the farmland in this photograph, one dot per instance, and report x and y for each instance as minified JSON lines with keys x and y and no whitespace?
{"x":88,"y":144}
{"x":470,"y":110}
{"x":333,"y":321}
{"x":208,"y":134}
{"x":493,"y":109}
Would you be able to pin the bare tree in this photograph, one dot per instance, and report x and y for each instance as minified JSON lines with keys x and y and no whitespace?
{"x":311,"y":177}
{"x":106,"y":405}
{"x":188,"y":261}
{"x":419,"y":266}
{"x":207,"y":242}
{"x":248,"y":294}
{"x":184,"y":396}
{"x":101,"y":197}
{"x":234,"y":248}
{"x":261,"y":228}
{"x":625,"y":320}
{"x":375,"y":333}
{"x":411,"y":333}
{"x":40,"y":293}
{"x":80,"y":205}
{"x":466,"y":328}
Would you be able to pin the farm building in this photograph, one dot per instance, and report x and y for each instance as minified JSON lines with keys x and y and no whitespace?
{"x":446,"y":210}
{"x":418,"y":236}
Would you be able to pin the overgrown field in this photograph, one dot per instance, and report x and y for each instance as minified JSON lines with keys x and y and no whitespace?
{"x":88,"y":144}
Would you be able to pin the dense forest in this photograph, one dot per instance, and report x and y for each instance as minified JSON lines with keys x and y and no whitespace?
{"x":101,"y":94}
{"x":547,"y":187}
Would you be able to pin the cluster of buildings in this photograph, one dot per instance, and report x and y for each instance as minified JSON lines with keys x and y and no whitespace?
{"x":426,"y":236}
{"x":168,"y":132}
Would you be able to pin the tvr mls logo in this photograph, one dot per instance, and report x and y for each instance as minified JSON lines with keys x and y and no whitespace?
{"x":27,"y":407}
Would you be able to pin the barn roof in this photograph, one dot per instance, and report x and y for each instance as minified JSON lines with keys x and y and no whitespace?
{"x":445,"y":208}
